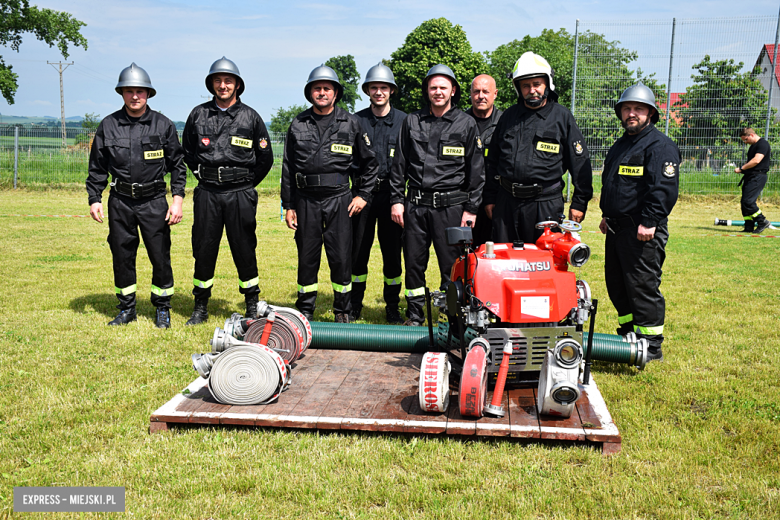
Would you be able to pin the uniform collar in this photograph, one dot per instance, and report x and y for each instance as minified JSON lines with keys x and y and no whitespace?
{"x":449,"y":115}
{"x":232,"y":110}
{"x":543,"y":112}
{"x":124,"y":118}
{"x":644,"y":133}
{"x":493,"y":117}
{"x":388,"y":119}
{"x":338,"y":113}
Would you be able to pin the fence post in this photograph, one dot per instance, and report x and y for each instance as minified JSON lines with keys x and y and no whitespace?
{"x":669,"y":82}
{"x":772,"y":79}
{"x":573,"y":94}
{"x":16,"y":154}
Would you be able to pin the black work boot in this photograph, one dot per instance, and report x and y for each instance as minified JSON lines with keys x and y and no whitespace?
{"x":124,"y":317}
{"x":251,"y":306}
{"x":163,"y":320}
{"x":354,"y":315}
{"x":654,"y":342}
{"x":749,"y":226}
{"x":393,"y":316}
{"x":342,"y":317}
{"x":761,"y":223}
{"x":200,"y":314}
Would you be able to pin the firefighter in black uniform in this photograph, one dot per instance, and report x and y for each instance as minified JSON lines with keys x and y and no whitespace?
{"x":382,"y":123}
{"x":228,"y":148}
{"x":755,"y":171}
{"x":137,"y":146}
{"x":639,"y":189}
{"x":534,"y":144}
{"x":440,"y":155}
{"x":324,"y":146}
{"x":484,"y":112}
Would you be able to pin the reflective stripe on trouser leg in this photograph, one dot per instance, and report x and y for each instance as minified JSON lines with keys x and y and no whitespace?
{"x":338,"y":288}
{"x":156,"y":234}
{"x":649,"y":331}
{"x":751,"y":189}
{"x":358,"y":291}
{"x":622,"y":320}
{"x":633,"y":276}
{"x":168,"y":291}
{"x":202,"y":284}
{"x":249,"y":283}
{"x":124,"y":291}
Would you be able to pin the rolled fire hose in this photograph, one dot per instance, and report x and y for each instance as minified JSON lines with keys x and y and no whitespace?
{"x":392,"y":338}
{"x":722,"y":222}
{"x":298,"y":319}
{"x":284,"y":336}
{"x":247,"y":375}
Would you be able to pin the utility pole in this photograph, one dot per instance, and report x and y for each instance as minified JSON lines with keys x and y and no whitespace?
{"x":62,"y":98}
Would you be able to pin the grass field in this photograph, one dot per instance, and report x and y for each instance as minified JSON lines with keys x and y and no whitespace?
{"x":701,"y":431}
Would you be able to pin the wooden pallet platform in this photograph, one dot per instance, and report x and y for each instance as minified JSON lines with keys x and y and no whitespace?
{"x":350,"y":390}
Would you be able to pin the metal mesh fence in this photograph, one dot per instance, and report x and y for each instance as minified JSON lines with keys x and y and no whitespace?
{"x":40,"y":158}
{"x":710,"y":77}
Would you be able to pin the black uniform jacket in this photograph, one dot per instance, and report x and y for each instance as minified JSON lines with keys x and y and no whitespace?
{"x":441,"y":154}
{"x":135,"y":152}
{"x":345,"y":148}
{"x":537,"y":147}
{"x":236,"y":137}
{"x":486,"y":126}
{"x":383,"y":133}
{"x":641,"y":178}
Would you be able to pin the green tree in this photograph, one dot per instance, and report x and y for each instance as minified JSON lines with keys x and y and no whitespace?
{"x":349,"y":77}
{"x":53,"y":27}
{"x":90,"y":121}
{"x":432,"y":42}
{"x":721,"y":100}
{"x":557,"y":47}
{"x":280,"y":122}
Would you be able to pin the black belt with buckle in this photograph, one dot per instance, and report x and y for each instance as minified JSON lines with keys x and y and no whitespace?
{"x":382,"y":184}
{"x":321,"y":180}
{"x":437,"y":199}
{"x":135,"y":190}
{"x":223,"y":174}
{"x":521,"y":191}
{"x":618,"y":224}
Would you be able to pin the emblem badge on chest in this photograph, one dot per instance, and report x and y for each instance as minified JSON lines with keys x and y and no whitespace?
{"x":205,"y":141}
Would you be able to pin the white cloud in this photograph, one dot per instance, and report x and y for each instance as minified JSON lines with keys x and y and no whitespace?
{"x":40,"y":102}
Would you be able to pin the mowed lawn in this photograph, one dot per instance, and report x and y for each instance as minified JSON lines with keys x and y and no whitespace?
{"x":701,"y":431}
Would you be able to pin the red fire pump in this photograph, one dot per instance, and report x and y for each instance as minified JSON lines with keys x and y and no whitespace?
{"x":515,"y":305}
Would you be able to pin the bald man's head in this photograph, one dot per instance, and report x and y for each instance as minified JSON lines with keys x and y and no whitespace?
{"x":483,"y":95}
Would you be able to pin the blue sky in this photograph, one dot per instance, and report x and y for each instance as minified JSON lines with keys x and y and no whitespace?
{"x":276,"y":44}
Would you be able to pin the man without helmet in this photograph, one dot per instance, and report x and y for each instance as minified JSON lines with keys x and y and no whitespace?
{"x":137,"y":146}
{"x":484,"y":112}
{"x":440,"y":156}
{"x":382,"y":123}
{"x":227,"y":146}
{"x":639,"y":189}
{"x":535,"y":143}
{"x":324,"y":146}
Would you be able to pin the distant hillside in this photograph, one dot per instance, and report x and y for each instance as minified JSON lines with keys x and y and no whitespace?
{"x":26,"y":120}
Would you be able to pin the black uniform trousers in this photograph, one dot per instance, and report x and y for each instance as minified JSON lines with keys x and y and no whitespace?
{"x":125,"y":217}
{"x":324,"y":221}
{"x":751,"y":188}
{"x":376,"y":214}
{"x":483,"y":228}
{"x":424,"y":225}
{"x":516,"y":219}
{"x":633,"y":275}
{"x":234,"y":211}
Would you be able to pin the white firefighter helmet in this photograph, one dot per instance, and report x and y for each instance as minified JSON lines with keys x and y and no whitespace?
{"x":531,"y":65}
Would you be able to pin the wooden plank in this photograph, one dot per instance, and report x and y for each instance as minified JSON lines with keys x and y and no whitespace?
{"x":305,"y":374}
{"x":342,"y":399}
{"x":309,"y":408}
{"x":456,"y":423}
{"x":169,"y":411}
{"x":495,"y":426}
{"x":607,"y":432}
{"x":610,"y":448}
{"x":156,"y":427}
{"x":396,"y":405}
{"x":523,"y":417}
{"x":249,"y":415}
{"x":381,"y":408}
